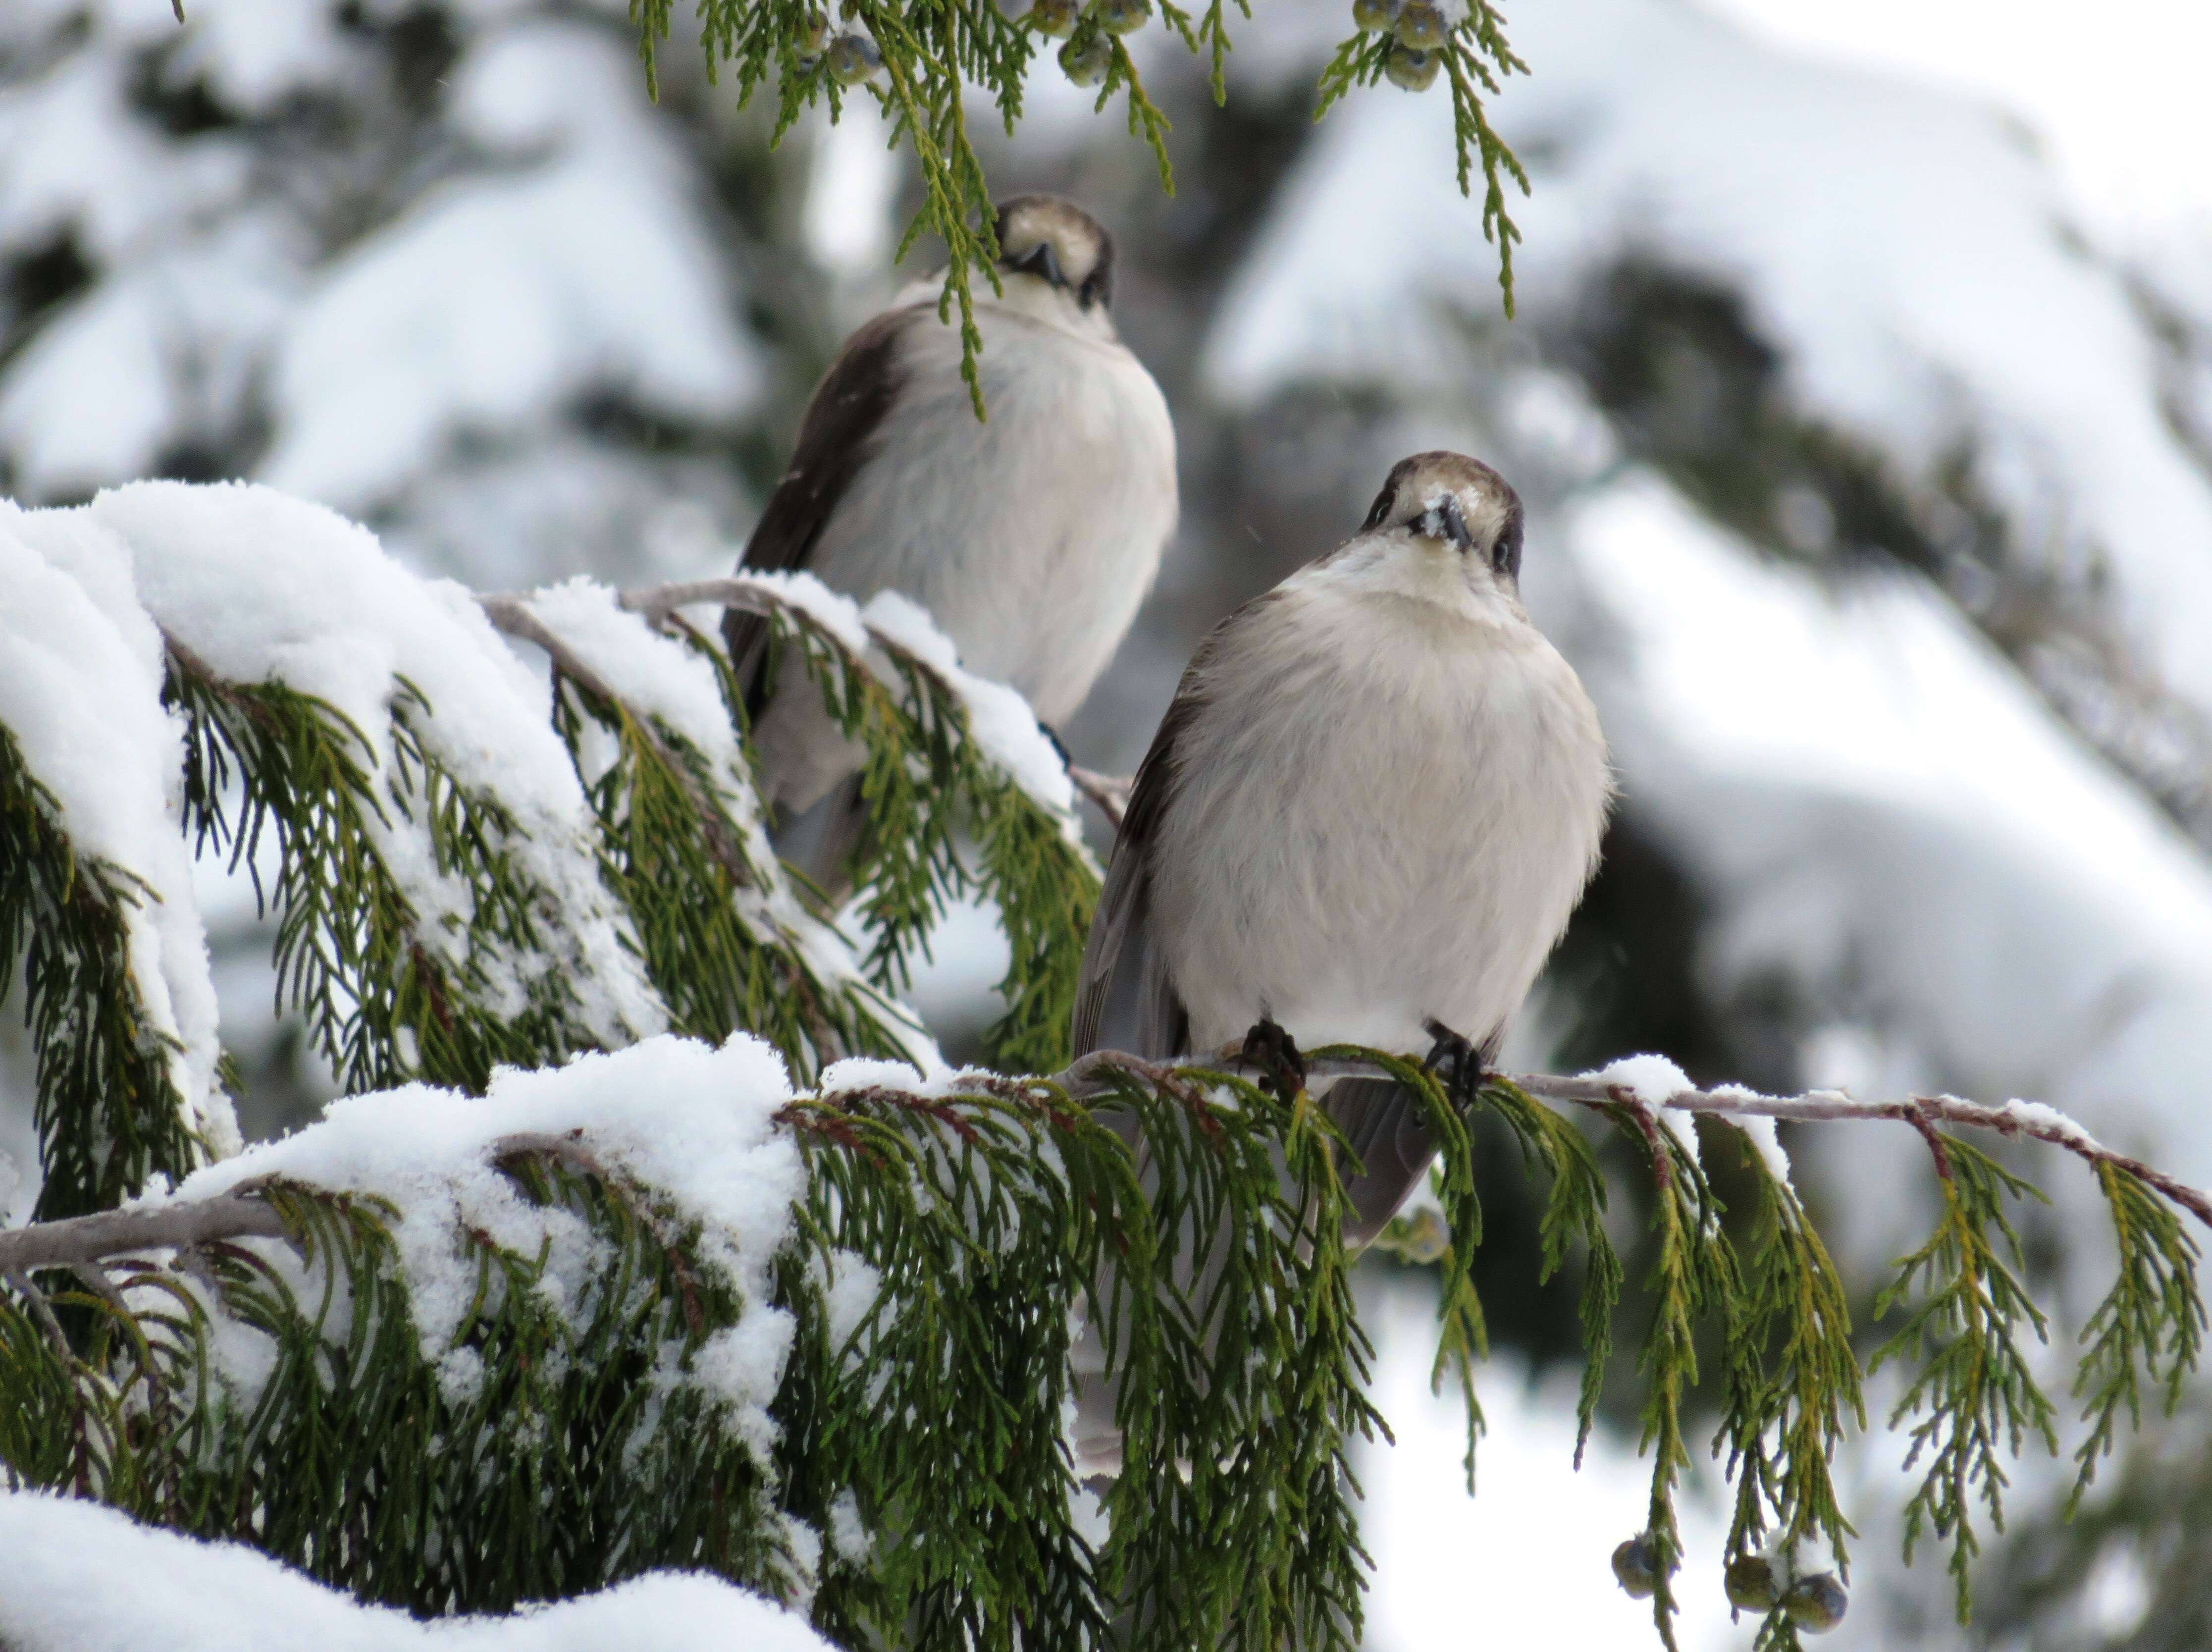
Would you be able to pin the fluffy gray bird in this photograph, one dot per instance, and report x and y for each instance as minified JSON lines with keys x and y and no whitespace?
{"x":1365,"y":818}
{"x":1030,"y":538}
{"x":1371,"y":807}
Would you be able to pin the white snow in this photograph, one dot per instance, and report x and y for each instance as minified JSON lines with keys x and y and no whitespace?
{"x":1761,"y":1130}
{"x":833,"y":610}
{"x":694,"y":1124}
{"x":1653,"y":1080}
{"x":498,"y":300}
{"x":257,"y":53}
{"x":81,"y":669}
{"x":83,"y":1578}
{"x":2040,"y":1116}
{"x":1528,"y":1558}
{"x":264,"y":587}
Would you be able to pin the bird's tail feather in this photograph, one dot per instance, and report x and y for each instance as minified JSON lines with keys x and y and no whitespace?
{"x":819,"y":841}
{"x":1389,"y":1133}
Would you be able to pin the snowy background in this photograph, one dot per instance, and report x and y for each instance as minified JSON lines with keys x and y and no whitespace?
{"x":1862,"y":395}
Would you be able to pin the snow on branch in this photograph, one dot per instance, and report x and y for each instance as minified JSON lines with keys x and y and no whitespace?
{"x":458,"y":882}
{"x":798,"y":1308}
{"x":909,"y":1181}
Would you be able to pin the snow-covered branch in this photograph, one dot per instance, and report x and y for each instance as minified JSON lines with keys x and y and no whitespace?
{"x":2014,"y":1119}
{"x":239,"y":1213}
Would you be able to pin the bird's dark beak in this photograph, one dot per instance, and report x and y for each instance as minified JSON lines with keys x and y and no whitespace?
{"x":1042,"y":261}
{"x":1445,"y":520}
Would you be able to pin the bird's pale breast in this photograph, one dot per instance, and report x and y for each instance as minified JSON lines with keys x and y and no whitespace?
{"x":1386,"y":815}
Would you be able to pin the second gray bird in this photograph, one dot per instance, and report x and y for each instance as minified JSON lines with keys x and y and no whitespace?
{"x":1030,"y":538}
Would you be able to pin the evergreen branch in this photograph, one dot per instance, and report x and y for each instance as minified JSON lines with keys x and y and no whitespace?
{"x":931,"y":51}
{"x":1694,"y":1274}
{"x":2012,"y":1120}
{"x":83,"y":1239}
{"x":107,"y":1111}
{"x":387,"y":994}
{"x":1574,"y":1211}
{"x":512,"y":615}
{"x":2153,"y":1319}
{"x":1793,"y":1382}
{"x":924,"y":784}
{"x":1973,"y":1383}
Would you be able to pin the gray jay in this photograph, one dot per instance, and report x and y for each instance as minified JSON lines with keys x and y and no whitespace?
{"x":1030,"y":538}
{"x":1366,"y":817}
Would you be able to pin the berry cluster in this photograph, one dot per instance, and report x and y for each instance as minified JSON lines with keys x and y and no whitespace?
{"x":1419,"y":31}
{"x":1087,"y":56}
{"x":853,"y":56}
{"x":1815,"y":1601}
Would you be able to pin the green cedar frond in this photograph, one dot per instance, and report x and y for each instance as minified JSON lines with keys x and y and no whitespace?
{"x":717,"y":956}
{"x":1694,"y":1274}
{"x":1963,"y":1307}
{"x":107,"y":1113}
{"x":1574,"y":1211}
{"x":934,"y":50}
{"x":387,"y":996}
{"x":2152,"y":1319}
{"x":1793,"y":1387}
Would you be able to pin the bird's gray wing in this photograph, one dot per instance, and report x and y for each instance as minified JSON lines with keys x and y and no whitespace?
{"x":1126,"y":998}
{"x":836,"y":438}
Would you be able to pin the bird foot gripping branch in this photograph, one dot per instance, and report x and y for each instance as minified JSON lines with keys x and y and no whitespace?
{"x":1274,"y":1053}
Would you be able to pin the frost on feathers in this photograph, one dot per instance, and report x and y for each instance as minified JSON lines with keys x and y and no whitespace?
{"x":80,"y":671}
{"x":267,"y":588}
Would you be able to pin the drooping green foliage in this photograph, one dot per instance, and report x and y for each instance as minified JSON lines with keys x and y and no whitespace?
{"x":914,"y":1486}
{"x":1974,"y":1392}
{"x":108,"y":1114}
{"x":934,"y":54}
{"x":361,"y":1461}
{"x":387,"y":993}
{"x":2151,"y":1323}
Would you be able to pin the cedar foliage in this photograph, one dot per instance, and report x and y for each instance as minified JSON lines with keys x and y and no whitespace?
{"x":934,"y":52}
{"x":565,"y":1434}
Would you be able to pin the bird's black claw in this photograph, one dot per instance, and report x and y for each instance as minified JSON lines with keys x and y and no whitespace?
{"x":1457,"y":1062}
{"x":1275,"y":1053}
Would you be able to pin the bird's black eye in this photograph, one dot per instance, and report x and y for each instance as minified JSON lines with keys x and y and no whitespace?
{"x":1506,"y":554}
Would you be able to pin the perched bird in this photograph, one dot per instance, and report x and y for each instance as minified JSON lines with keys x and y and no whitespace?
{"x":1030,"y":538}
{"x":1371,"y":807}
{"x":1366,"y":817}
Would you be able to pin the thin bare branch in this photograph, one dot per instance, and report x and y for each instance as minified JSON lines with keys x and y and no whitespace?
{"x":1109,"y":792}
{"x":41,"y":1310}
{"x":2014,"y":1119}
{"x":84,"y":1239}
{"x":81,"y":1242}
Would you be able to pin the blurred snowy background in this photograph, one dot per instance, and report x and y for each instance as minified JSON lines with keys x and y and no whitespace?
{"x":1862,"y":395}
